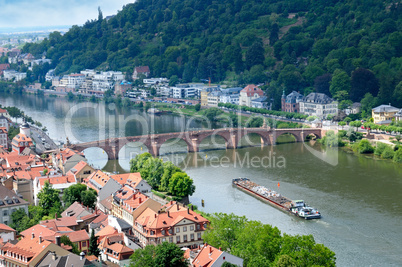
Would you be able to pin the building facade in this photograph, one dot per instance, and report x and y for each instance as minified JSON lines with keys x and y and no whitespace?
{"x":319,"y":105}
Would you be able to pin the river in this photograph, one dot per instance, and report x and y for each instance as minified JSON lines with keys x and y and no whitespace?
{"x":358,"y":197}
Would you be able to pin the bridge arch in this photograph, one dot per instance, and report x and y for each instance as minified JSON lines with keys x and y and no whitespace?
{"x":96,"y":156}
{"x":248,"y":136}
{"x":282,"y":133}
{"x":175,"y":142}
{"x":217,"y":140}
{"x":132,"y":148}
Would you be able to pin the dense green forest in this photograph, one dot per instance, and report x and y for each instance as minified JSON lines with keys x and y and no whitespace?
{"x":345,"y":49}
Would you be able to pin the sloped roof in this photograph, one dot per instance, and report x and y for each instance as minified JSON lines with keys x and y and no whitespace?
{"x":207,"y":256}
{"x":251,"y":90}
{"x":385,"y":108}
{"x":318,"y":98}
{"x":75,"y":209}
{"x":6,"y":228}
{"x":142,"y":69}
{"x":107,"y":230}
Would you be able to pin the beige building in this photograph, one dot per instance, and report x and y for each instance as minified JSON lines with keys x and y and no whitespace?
{"x":172,"y":223}
{"x":384,"y":113}
{"x":249,"y":93}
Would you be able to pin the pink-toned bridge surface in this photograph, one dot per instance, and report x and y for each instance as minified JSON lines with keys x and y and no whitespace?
{"x":193,"y":139}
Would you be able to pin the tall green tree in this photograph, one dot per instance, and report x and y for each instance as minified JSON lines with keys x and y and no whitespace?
{"x":181,"y":185}
{"x":363,"y":81}
{"x":340,"y":82}
{"x":93,"y":244}
{"x":255,"y":54}
{"x":49,"y":199}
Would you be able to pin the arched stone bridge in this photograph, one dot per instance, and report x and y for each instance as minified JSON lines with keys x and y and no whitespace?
{"x":193,"y":139}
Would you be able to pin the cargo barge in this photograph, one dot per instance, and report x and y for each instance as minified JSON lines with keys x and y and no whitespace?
{"x":296,"y":207}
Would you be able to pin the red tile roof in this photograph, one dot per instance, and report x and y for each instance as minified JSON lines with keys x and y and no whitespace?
{"x":142,"y":69}
{"x":77,"y":236}
{"x":207,"y":256}
{"x":66,"y":179}
{"x":107,"y":230}
{"x":79,"y":166}
{"x":6,"y":228}
{"x":99,"y":178}
{"x":127,"y":178}
{"x":251,"y":90}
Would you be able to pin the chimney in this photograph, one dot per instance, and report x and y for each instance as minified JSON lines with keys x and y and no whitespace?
{"x":40,"y":240}
{"x":33,"y":236}
{"x":210,"y":249}
{"x":168,"y":214}
{"x":139,"y":200}
{"x":55,"y":215}
{"x":220,"y":248}
{"x":192,"y":207}
{"x":54,"y":256}
{"x":188,"y":210}
{"x":177,"y":206}
{"x":58,"y":241}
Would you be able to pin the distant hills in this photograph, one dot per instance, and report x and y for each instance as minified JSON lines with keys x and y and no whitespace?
{"x":342,"y":48}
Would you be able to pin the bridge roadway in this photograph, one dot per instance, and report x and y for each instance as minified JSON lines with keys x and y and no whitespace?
{"x":193,"y":139}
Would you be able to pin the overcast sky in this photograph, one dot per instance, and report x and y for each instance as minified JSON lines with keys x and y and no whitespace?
{"x":26,"y":13}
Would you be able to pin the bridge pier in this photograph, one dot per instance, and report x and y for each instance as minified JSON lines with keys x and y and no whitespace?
{"x":154,"y":149}
{"x":194,"y":146}
{"x":232,"y":142}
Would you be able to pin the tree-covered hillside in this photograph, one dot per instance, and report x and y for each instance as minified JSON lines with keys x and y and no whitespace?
{"x":343,"y":48}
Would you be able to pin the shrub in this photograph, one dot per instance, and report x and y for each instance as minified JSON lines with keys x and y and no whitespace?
{"x":380,"y":148}
{"x":365,"y":147}
{"x":388,"y":153}
{"x":398,"y":156}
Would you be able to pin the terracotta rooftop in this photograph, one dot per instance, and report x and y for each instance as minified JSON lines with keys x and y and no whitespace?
{"x":107,"y":230}
{"x":6,"y":228}
{"x":251,"y":90}
{"x":97,"y":180}
{"x":127,"y":178}
{"x":79,"y":166}
{"x":77,"y":236}
{"x":207,"y":256}
{"x":66,"y":179}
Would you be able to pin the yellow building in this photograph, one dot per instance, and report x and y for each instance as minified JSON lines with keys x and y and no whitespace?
{"x":384,"y":113}
{"x":204,"y":97}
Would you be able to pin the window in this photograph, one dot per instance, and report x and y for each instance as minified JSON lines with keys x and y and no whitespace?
{"x":170,"y":239}
{"x":185,"y":238}
{"x":199,"y":236}
{"x":177,"y":229}
{"x":177,"y":239}
{"x":5,"y":213}
{"x":192,"y":237}
{"x":191,"y":227}
{"x":163,"y":239}
{"x":198,"y":227}
{"x":184,"y":228}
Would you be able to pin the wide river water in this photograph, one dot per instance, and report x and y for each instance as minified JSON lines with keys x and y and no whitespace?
{"x":358,"y":197}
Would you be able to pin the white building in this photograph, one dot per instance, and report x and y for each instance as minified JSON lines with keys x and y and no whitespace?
{"x":319,"y":105}
{"x":154,"y":81}
{"x":59,"y":182}
{"x":12,"y":74}
{"x":214,"y":98}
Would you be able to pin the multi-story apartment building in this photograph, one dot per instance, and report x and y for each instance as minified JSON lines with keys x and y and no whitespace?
{"x":171,"y":223}
{"x":319,"y":105}
{"x":249,"y":93}
{"x":384,"y":113}
{"x":10,"y":202}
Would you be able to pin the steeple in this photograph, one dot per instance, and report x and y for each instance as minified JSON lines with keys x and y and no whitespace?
{"x":283,"y":94}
